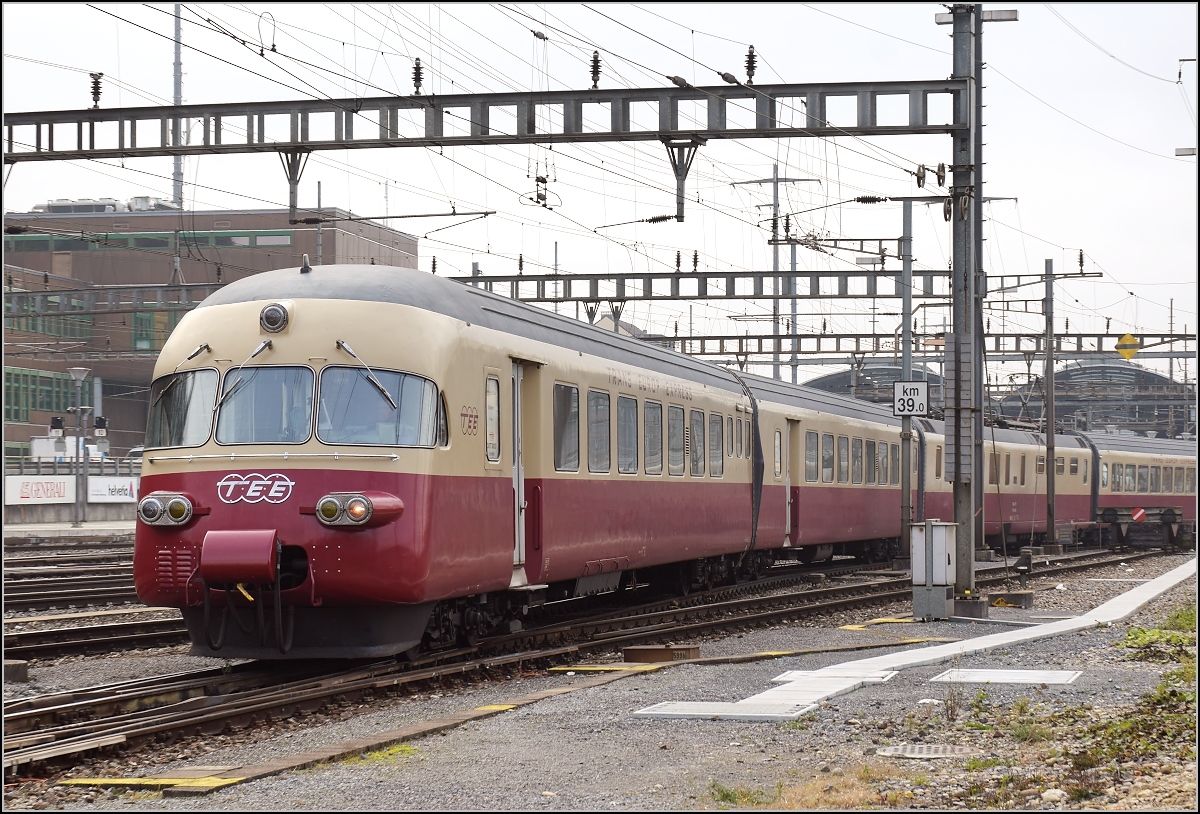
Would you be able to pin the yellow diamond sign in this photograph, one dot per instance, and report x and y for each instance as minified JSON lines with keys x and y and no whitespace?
{"x":1128,"y":345}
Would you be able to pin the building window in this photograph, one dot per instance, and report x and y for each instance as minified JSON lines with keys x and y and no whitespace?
{"x":273,"y":240}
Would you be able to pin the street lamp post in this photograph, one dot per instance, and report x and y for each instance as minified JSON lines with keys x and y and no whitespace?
{"x":78,"y":374}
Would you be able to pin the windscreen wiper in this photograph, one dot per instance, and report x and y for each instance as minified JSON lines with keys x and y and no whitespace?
{"x":343,"y":346}
{"x":203,"y":347}
{"x":262,"y":346}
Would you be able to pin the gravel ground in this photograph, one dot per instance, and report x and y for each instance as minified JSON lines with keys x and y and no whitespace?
{"x":584,"y":750}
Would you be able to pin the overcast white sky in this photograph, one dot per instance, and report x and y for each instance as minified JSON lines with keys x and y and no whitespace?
{"x":1084,"y":112}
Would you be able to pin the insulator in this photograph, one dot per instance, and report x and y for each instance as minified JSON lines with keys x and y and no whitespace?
{"x":947,"y":209}
{"x":417,"y":73}
{"x":96,"y":77}
{"x":941,"y":174}
{"x":218,"y":274}
{"x":678,"y":260}
{"x":1081,"y":259}
{"x":520,"y":263}
{"x":962,"y":207}
{"x":678,"y":80}
{"x":595,"y":70}
{"x":659,"y":219}
{"x":1107,"y":322}
{"x":677,"y":327}
{"x":921,"y":176}
{"x":539,"y":35}
{"x":751,"y":64}
{"x":787,"y":224}
{"x":541,"y":179}
{"x":696,"y":260}
{"x":988,"y":327}
{"x":433,"y":266}
{"x":824,"y":325}
{"x":728,"y":77}
{"x":1067,"y":325}
{"x":775,"y":224}
{"x":869,"y":199}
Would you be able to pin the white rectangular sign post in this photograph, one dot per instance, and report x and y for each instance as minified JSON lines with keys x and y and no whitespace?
{"x":910,"y":398}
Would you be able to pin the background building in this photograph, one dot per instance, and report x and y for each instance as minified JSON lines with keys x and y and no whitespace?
{"x":72,"y":246}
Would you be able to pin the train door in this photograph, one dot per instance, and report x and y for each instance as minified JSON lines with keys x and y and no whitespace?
{"x":518,"y":471}
{"x":793,"y":477}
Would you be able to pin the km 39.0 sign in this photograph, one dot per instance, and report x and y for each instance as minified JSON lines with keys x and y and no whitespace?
{"x":910,"y":398}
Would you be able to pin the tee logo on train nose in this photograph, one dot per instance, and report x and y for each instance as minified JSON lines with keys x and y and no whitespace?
{"x":254,"y":488}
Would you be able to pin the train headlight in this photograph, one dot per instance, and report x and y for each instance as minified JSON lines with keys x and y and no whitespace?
{"x":167,"y":509}
{"x":358,"y":509}
{"x":150,"y":509}
{"x":179,"y":509}
{"x":329,"y":509}
{"x":273,"y":318}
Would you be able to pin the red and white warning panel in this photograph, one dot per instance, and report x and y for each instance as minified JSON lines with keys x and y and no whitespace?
{"x":1138,"y":515}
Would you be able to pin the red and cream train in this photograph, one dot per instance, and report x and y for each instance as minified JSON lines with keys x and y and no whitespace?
{"x":347,"y":461}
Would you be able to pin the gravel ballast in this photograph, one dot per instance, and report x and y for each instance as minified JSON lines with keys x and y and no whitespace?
{"x":585,"y":751}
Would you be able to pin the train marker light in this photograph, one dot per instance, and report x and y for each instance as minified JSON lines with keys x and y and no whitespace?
{"x":329,"y":509}
{"x":358,"y":509}
{"x":150,"y":509}
{"x":179,"y":509}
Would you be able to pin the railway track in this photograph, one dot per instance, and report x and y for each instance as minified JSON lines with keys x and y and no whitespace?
{"x":40,"y":731}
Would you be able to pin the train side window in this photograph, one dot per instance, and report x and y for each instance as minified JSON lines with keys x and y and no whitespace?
{"x":1022,"y":469}
{"x":654,"y":446}
{"x":729,"y":436}
{"x":566,"y":428}
{"x":869,"y":460}
{"x":856,"y":460}
{"x":675,"y":427}
{"x":811,"y":442}
{"x":443,"y":430}
{"x":1007,"y":468}
{"x":1103,"y":476}
{"x":993,"y":467}
{"x":1130,"y":478}
{"x":1143,"y":479}
{"x":1040,"y":468}
{"x":826,"y":458}
{"x":883,"y":463}
{"x":843,"y":459}
{"x":1118,"y":478}
{"x":491,"y":418}
{"x":1155,"y":479}
{"x":895,"y":464}
{"x":937,"y":463}
{"x":1086,"y":466}
{"x":627,"y":435}
{"x":697,"y":443}
{"x":716,"y":446}
{"x":1074,"y":466}
{"x":749,"y":440}
{"x":739,"y":438}
{"x":599,"y":430}
{"x":1060,"y":465}
{"x":1168,"y":484}
{"x":1191,"y":479}
{"x":778,"y":453}
{"x":1179,"y":485}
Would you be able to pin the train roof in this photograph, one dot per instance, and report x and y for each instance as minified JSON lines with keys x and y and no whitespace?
{"x":405,"y":286}
{"x":1140,"y":443}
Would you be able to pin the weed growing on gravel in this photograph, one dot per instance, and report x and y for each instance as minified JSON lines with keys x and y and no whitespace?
{"x":952,"y":703}
{"x":394,"y":751}
{"x":975,"y":764}
{"x":742,"y":796}
{"x":979,"y":704}
{"x":1183,"y":618}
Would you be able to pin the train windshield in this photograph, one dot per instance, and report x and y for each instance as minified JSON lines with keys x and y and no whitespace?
{"x":353,"y":411}
{"x":181,"y":409}
{"x":266,"y":405}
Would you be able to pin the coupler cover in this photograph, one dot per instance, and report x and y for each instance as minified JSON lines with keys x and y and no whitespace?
{"x":238,"y":555}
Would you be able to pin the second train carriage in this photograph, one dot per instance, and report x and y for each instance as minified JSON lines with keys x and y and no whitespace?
{"x":355,"y":460}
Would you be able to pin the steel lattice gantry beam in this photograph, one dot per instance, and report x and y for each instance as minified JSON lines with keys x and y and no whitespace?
{"x":119,"y":299}
{"x":468,"y":119}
